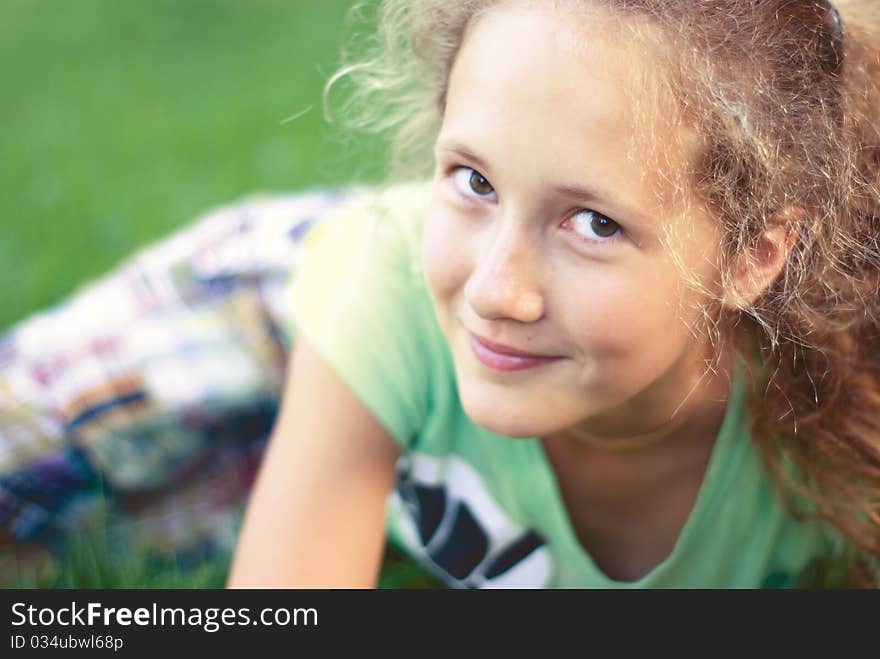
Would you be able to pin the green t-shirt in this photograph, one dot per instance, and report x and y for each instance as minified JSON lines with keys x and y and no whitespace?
{"x":479,"y":509}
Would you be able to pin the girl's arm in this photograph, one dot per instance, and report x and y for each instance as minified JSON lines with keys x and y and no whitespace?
{"x":316,"y":516}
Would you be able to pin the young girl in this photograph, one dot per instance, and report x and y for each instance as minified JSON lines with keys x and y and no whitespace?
{"x":627,"y":333}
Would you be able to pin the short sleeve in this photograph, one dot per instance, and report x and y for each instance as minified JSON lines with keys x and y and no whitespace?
{"x":360,"y":300}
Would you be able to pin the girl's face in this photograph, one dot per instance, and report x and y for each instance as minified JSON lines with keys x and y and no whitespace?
{"x":543,"y":237}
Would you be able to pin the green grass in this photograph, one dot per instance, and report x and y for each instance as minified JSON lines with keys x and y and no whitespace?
{"x":123,"y":120}
{"x":101,"y":556}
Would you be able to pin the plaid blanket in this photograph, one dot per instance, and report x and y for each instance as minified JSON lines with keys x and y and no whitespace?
{"x":153,"y":389}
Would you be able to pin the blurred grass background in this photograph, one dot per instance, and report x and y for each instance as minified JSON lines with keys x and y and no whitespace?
{"x":125,"y":119}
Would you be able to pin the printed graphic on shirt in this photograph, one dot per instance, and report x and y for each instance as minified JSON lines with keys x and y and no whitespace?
{"x":451,"y":523}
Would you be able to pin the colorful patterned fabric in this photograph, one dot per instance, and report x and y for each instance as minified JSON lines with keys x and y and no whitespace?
{"x":154,"y":388}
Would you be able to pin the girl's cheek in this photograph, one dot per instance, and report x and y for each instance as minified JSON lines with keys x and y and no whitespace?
{"x":613,"y":315}
{"x":444,"y":254}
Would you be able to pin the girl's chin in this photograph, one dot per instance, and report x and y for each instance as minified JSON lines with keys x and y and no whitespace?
{"x":505,"y":429}
{"x":504,"y":417}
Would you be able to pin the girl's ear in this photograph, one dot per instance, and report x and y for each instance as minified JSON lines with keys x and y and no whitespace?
{"x":758,"y":268}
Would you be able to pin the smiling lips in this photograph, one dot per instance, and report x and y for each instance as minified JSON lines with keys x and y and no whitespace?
{"x":503,"y":358}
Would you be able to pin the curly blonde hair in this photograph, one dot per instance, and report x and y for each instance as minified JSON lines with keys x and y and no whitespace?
{"x":786,"y":97}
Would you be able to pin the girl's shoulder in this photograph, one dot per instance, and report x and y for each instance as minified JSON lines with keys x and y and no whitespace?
{"x":369,"y":244}
{"x":358,"y":294}
{"x":383,"y":210}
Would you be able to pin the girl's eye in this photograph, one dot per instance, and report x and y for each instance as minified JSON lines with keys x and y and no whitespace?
{"x":590,"y":224}
{"x":470,"y":182}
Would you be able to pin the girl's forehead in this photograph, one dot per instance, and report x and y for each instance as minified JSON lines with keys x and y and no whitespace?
{"x":571,"y":27}
{"x":577,"y":43}
{"x":566,"y":91}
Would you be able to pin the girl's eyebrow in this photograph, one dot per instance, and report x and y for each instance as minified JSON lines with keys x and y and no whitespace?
{"x":578,"y":192}
{"x":460,"y":149}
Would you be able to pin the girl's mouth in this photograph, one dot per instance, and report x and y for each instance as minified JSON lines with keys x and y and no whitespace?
{"x":504,"y":358}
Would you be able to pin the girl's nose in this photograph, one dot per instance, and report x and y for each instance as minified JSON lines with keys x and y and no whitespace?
{"x":504,"y":284}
